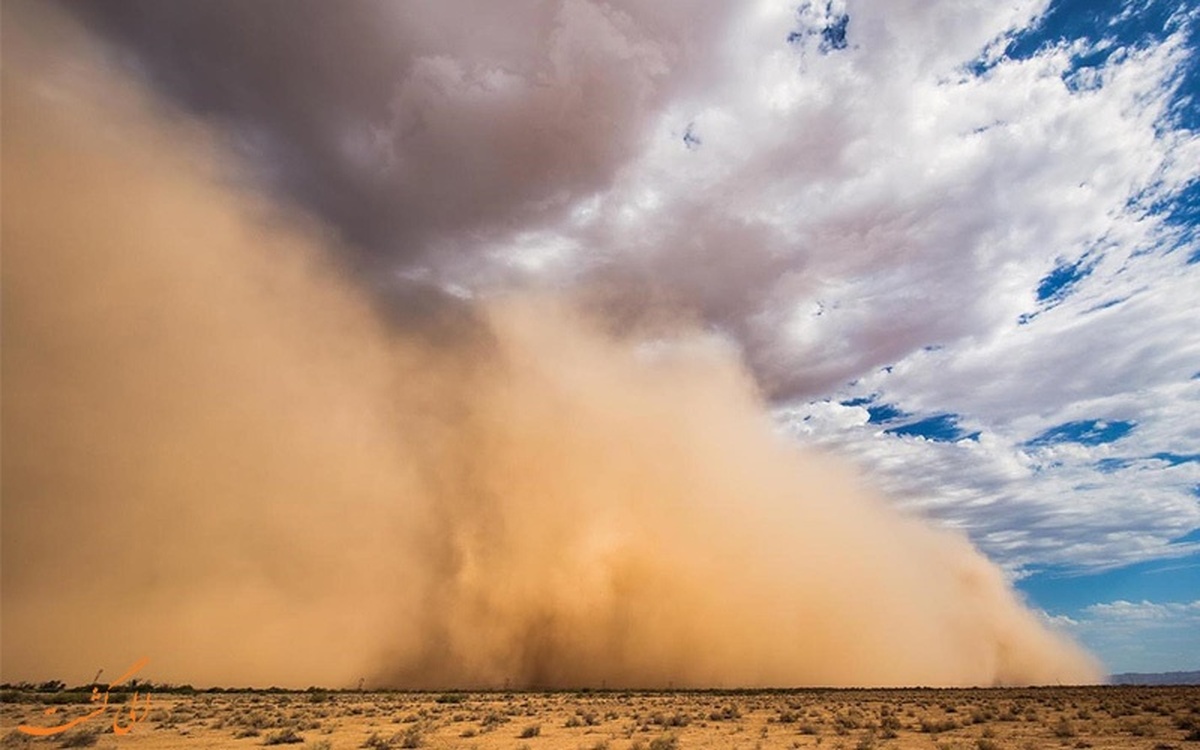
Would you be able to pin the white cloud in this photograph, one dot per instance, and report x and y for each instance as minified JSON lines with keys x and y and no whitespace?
{"x":1144,"y":613}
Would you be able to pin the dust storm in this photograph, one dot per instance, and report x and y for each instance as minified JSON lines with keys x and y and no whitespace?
{"x":221,"y":452}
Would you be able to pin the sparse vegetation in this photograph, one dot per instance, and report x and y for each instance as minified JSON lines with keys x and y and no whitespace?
{"x":412,"y":737}
{"x":533,"y":730}
{"x":936,"y":726}
{"x":286,"y":736}
{"x":375,"y":742}
{"x":85,"y":737}
{"x":1064,"y":729}
{"x":1128,"y":717}
{"x":664,"y":742}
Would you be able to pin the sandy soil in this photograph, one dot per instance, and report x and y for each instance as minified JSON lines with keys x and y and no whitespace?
{"x":1135,"y":718}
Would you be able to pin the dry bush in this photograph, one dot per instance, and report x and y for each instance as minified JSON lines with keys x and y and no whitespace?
{"x":375,"y":742}
{"x":285,"y":736}
{"x":664,"y":742}
{"x":15,"y":739}
{"x":85,"y":737}
{"x":533,"y":730}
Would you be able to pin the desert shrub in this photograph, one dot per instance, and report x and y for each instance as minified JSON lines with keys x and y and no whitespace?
{"x":286,"y":736}
{"x":80,"y":738}
{"x":492,"y":720}
{"x":1140,"y":728}
{"x":319,"y":745}
{"x":936,"y":726}
{"x":725,"y":713}
{"x":252,"y":720}
{"x":852,"y":719}
{"x":411,"y":737}
{"x":889,"y":725}
{"x":979,"y":716}
{"x":159,"y":716}
{"x":74,"y":697}
{"x":16,"y":739}
{"x":1064,"y":729}
{"x":375,"y":742}
{"x":533,"y":730}
{"x":664,"y":742}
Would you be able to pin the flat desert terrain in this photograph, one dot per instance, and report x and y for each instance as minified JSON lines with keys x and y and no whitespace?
{"x":1135,"y":718}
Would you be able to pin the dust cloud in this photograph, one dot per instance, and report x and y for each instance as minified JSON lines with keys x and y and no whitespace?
{"x":218,"y":454}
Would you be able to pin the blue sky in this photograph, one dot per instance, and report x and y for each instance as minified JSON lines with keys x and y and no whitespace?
{"x":954,"y":242}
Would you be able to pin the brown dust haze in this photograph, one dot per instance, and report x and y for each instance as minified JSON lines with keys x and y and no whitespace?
{"x":218,"y":455}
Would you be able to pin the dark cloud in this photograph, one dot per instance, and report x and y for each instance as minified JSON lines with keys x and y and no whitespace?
{"x":409,"y":125}
{"x":285,"y":80}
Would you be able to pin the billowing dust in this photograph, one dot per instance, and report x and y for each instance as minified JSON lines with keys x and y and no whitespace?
{"x":218,"y":454}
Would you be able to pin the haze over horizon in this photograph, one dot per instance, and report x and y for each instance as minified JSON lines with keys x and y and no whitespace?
{"x":592,"y":343}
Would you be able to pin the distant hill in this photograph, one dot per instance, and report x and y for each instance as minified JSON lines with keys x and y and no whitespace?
{"x":1156,"y":678}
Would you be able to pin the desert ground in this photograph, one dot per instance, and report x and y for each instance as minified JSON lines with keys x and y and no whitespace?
{"x":1139,"y":718}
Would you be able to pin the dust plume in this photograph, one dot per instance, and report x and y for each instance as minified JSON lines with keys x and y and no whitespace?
{"x":218,"y":454}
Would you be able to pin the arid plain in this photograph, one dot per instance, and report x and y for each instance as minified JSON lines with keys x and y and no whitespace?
{"x":1137,"y":718}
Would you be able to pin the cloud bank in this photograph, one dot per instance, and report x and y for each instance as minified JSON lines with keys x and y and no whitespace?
{"x":222,"y":452}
